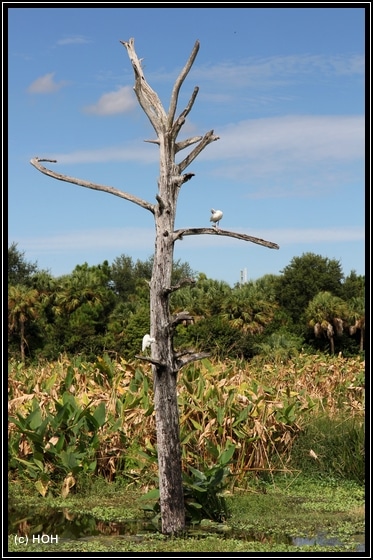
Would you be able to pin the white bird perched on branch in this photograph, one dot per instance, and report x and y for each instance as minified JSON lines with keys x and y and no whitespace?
{"x":216,"y":216}
{"x":147,"y":341}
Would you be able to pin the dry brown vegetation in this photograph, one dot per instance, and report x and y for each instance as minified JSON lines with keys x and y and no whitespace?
{"x":260,"y":410}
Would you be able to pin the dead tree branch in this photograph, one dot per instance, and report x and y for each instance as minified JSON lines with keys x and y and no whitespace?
{"x":206,"y":140}
{"x":82,"y":183}
{"x":181,"y":119}
{"x":178,"y":83}
{"x":153,"y":141}
{"x":179,"y":145}
{"x":185,"y":143}
{"x":181,"y":317}
{"x":179,"y":234}
{"x":148,"y":99}
{"x":150,"y":360}
{"x":181,"y":284}
{"x":192,"y":357}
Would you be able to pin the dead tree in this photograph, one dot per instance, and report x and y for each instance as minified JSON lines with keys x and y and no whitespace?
{"x":166,"y":362}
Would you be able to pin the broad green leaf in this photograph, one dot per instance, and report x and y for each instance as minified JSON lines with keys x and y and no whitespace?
{"x":150,"y":411}
{"x":99,"y":414}
{"x":41,"y":488}
{"x":30,"y":465}
{"x":241,"y":417}
{"x":197,"y":473}
{"x":196,"y":425}
{"x":69,"y":459}
{"x":220,"y":415}
{"x":60,"y":443}
{"x":227,"y":455}
{"x":34,"y":419}
{"x":51,"y":381}
{"x":152,"y":494}
{"x":195,"y":505}
{"x":69,"y":377}
{"x":188,"y":437}
{"x":147,"y":507}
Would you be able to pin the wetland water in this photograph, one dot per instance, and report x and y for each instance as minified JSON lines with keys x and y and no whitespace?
{"x":71,"y":526}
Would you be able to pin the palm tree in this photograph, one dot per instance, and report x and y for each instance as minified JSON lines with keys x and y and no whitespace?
{"x":357,"y":316}
{"x":23,"y":306}
{"x":326,"y":315}
{"x":204,"y":299}
{"x":83,"y":286}
{"x":249,"y":309}
{"x":278,"y":348}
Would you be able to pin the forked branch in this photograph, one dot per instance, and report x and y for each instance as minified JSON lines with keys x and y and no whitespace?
{"x":148,"y":99}
{"x":178,"y":83}
{"x":183,"y":282}
{"x":181,"y":119}
{"x":206,"y":140}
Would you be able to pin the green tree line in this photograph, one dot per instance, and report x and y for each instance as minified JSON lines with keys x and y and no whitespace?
{"x":105,"y":309}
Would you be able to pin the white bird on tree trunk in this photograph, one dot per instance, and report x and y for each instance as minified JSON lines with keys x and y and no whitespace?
{"x":216,"y":216}
{"x":147,"y":341}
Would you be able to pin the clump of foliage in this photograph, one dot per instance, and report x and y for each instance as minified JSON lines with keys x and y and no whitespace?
{"x":203,"y":491}
{"x":107,"y":306}
{"x":63,"y":442}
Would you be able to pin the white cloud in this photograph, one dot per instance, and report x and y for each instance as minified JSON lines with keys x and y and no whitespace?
{"x":303,"y":152}
{"x":265,"y":81}
{"x":132,"y":238}
{"x":46,"y":84}
{"x":312,"y":235}
{"x":135,"y":151}
{"x":113,"y":103}
{"x":292,"y":137}
{"x":114,"y":238}
{"x":277,"y":70}
{"x":73,"y":40}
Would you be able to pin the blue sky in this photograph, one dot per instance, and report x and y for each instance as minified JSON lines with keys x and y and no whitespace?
{"x":283,"y":88}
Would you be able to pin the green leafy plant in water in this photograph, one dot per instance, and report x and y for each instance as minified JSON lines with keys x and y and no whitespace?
{"x":203,"y":491}
{"x":59,"y":443}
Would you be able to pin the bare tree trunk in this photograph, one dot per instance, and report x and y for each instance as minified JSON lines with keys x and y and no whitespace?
{"x":165,"y":371}
{"x":331,"y":338}
{"x":165,"y":361}
{"x":361,"y":339}
{"x":23,"y":344}
{"x":169,"y":451}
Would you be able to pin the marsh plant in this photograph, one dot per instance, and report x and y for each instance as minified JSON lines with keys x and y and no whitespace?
{"x":332,"y":447}
{"x":203,"y":491}
{"x":72,"y":420}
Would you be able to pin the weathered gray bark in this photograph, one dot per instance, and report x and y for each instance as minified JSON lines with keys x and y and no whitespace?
{"x":165,"y":361}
